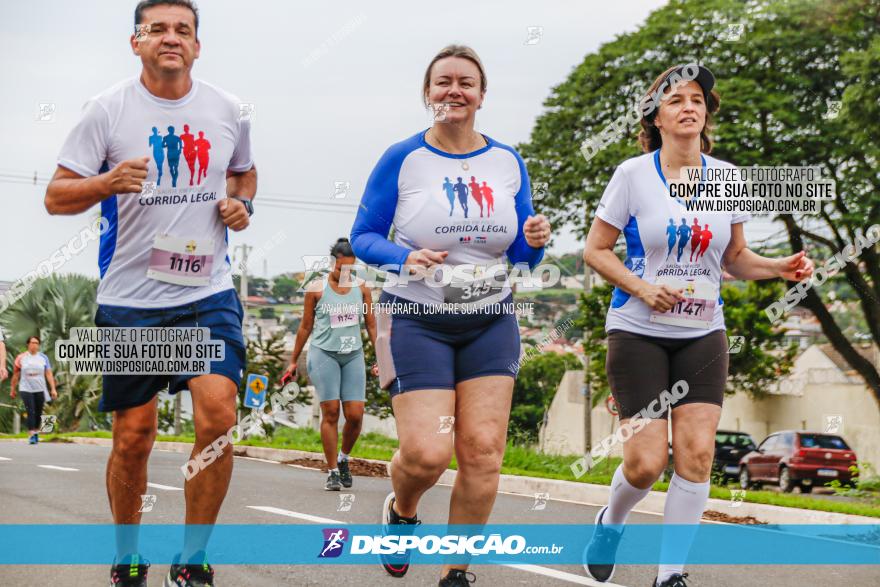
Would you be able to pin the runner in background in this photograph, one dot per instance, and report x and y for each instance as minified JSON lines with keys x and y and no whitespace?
{"x":4,"y":373}
{"x":666,"y":322}
{"x":332,"y":318}
{"x":163,"y":263}
{"x":448,"y":354}
{"x":31,"y":373}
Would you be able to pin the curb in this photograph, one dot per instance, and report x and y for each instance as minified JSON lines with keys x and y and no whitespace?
{"x":585,"y":493}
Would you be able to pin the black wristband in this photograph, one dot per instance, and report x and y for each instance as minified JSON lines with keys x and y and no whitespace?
{"x":248,"y":205}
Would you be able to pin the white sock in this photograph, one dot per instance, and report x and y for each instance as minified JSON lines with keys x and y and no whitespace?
{"x":333,"y":471}
{"x":342,"y":456}
{"x":685,"y":503}
{"x":624,"y":498}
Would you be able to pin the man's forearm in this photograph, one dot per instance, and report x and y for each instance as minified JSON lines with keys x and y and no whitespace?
{"x":242,"y":184}
{"x":74,"y":196}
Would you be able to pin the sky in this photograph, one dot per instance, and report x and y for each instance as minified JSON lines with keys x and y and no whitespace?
{"x":332,"y":86}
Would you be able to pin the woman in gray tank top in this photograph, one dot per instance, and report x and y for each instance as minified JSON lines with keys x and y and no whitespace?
{"x":332,"y":317}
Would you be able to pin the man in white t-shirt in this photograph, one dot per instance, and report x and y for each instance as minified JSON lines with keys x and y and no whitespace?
{"x":163,"y":260}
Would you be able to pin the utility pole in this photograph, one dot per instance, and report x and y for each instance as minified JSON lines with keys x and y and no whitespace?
{"x":588,"y":394}
{"x":178,"y":430}
{"x":243,"y":285}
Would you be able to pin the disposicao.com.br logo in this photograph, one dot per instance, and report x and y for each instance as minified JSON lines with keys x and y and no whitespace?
{"x":334,"y":541}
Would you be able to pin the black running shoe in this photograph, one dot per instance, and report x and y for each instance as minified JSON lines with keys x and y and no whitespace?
{"x":601,"y":549}
{"x":675,"y":580}
{"x":133,"y":574}
{"x":396,"y":565}
{"x":457,"y":578}
{"x":190,"y":575}
{"x":333,"y":483}
{"x":344,"y":473}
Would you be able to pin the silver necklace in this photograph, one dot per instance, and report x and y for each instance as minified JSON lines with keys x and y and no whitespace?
{"x":464,"y":162}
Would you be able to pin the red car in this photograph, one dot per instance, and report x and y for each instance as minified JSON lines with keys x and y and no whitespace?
{"x":796,"y":458}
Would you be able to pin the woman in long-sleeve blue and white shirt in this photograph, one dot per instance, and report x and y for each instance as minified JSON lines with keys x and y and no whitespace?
{"x":448,"y":342}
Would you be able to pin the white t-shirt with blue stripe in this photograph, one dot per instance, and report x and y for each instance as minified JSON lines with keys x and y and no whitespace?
{"x":663,"y":240}
{"x":192,"y":142}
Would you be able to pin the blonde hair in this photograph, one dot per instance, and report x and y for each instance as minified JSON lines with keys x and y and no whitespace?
{"x":462,"y":51}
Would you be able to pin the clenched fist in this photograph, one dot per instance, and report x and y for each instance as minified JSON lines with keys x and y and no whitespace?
{"x":127,"y":177}
{"x":233,"y":214}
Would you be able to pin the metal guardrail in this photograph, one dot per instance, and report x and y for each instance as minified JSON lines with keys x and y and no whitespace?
{"x":16,"y":417}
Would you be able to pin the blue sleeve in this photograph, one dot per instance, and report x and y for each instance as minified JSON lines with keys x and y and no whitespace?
{"x":48,"y":364}
{"x":519,"y":250}
{"x":369,"y":234}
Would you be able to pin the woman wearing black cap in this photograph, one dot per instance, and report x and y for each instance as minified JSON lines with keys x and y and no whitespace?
{"x":667,"y":347}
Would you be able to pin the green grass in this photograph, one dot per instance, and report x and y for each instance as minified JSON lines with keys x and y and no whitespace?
{"x":801,"y":501}
{"x":518,"y":460}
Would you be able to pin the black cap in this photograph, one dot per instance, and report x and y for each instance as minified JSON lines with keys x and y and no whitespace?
{"x":689,"y":72}
{"x":698,"y":73}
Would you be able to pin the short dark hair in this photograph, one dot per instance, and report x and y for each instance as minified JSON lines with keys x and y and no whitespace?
{"x":144,"y":4}
{"x":30,"y":338}
{"x":342,"y":248}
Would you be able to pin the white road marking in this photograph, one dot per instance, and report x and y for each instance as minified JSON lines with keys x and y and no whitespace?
{"x":57,"y":468}
{"x":561,"y":575}
{"x":260,"y":460}
{"x":165,"y":487}
{"x":290,"y":514}
{"x":5,"y":459}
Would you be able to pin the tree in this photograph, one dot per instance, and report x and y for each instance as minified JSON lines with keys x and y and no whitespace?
{"x":267,"y":358}
{"x":776,"y":82}
{"x":378,"y":400}
{"x":535,"y":386}
{"x":284,"y":287}
{"x":258,"y":286}
{"x":50,"y":309}
{"x":764,"y":355}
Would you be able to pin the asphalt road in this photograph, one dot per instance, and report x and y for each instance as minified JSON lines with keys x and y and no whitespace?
{"x":74,"y":493}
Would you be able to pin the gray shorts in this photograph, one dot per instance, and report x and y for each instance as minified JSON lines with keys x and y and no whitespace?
{"x":338,"y":376}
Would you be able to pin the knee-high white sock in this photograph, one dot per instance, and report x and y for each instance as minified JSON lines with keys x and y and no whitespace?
{"x":624,"y":498}
{"x":685,"y":503}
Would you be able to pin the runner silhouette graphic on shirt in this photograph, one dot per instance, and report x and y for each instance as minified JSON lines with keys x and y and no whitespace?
{"x":189,"y":151}
{"x":477,"y":195}
{"x":172,"y":143}
{"x":155,"y":141}
{"x":695,"y":239}
{"x":670,"y":237}
{"x":202,"y":148}
{"x":462,"y":191}
{"x":684,"y":235}
{"x":489,"y":198}
{"x":450,"y":194}
{"x":705,"y":237}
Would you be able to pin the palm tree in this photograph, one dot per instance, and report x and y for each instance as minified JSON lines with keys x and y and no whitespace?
{"x":50,"y":309}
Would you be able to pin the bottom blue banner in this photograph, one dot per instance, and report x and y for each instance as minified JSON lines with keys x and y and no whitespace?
{"x":299,"y":544}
